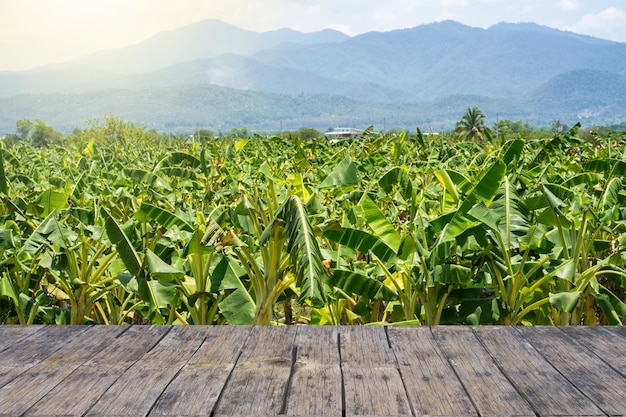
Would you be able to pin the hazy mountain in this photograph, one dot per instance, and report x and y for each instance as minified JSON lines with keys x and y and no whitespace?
{"x":427,"y":75}
{"x":201,"y":40}
{"x":245,"y":73}
{"x":68,"y":78}
{"x":112,"y":68}
{"x":441,"y":59}
{"x":584,"y":94}
{"x":185,"y":108}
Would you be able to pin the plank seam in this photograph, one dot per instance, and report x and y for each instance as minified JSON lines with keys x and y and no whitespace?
{"x":24,"y":370}
{"x":593,"y":352}
{"x":397,"y":362}
{"x":443,"y":356}
{"x":124,"y":330}
{"x":572,"y":383}
{"x":343,"y":381}
{"x":294,"y":356}
{"x":78,"y":366}
{"x":505,"y":374}
{"x":175,"y":376}
{"x":20,"y":338}
{"x":159,"y":341}
{"x":97,"y":400}
{"x":216,"y":406}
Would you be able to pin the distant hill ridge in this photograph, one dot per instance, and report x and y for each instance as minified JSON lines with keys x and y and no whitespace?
{"x":520,"y":70}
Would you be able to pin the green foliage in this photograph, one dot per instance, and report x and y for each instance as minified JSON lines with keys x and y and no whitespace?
{"x":472,"y":125}
{"x":122,"y":225}
{"x":308,"y":133}
{"x":36,"y":133}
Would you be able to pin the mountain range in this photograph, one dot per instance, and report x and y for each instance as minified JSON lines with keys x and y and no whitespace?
{"x":216,"y":76}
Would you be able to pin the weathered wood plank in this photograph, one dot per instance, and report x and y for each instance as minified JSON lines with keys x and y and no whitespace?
{"x":605,"y":387}
{"x":135,"y":392}
{"x":10,"y":335}
{"x":431,"y":384}
{"x":491,"y":393}
{"x":301,"y":371}
{"x":82,"y":388}
{"x":315,"y":387}
{"x":607,"y":345}
{"x":42,"y":343}
{"x":372,"y":382}
{"x":548,"y":392}
{"x":31,"y":350}
{"x":26,"y":389}
{"x":621,"y":331}
{"x":196,"y":389}
{"x":260,"y":379}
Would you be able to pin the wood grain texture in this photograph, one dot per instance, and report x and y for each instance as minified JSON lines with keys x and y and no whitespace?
{"x":604,"y":343}
{"x":311,"y":371}
{"x":430,"y":381}
{"x":592,"y":376}
{"x":491,"y":393}
{"x":618,"y":330}
{"x":139,"y":387}
{"x":258,"y":384}
{"x":196,"y":388}
{"x":85,"y":385}
{"x":31,"y":350}
{"x":372,"y":382}
{"x":543,"y":386}
{"x":11,"y":335}
{"x":29,"y":387}
{"x":315,"y":386}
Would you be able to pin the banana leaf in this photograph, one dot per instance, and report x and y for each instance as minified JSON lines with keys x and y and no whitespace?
{"x":304,"y":250}
{"x":484,"y":191}
{"x":164,"y":217}
{"x":379,"y":224}
{"x":3,"y":179}
{"x":361,"y":241}
{"x":344,"y":174}
{"x":360,"y":284}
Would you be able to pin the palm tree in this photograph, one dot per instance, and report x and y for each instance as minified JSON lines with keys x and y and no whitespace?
{"x":472,"y":125}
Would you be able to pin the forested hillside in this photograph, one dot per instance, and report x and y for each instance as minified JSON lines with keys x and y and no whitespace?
{"x":420,"y":76}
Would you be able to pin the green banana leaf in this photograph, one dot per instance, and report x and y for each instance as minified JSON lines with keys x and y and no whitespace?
{"x":304,"y":250}
{"x":131,"y":260}
{"x":344,"y":174}
{"x":565,"y":301}
{"x":238,"y":307}
{"x":164,"y":217}
{"x":484,"y":191}
{"x":513,"y":150}
{"x":379,"y":224}
{"x":160,"y":269}
{"x":51,"y":200}
{"x":360,"y":284}
{"x":147,"y":178}
{"x":397,"y":176}
{"x":359,"y":240}
{"x":3,"y":179}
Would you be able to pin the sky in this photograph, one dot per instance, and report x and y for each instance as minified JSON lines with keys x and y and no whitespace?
{"x":34,"y":33}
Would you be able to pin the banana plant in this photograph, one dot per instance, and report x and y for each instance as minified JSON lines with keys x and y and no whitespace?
{"x":23,"y":268}
{"x":81,"y":270}
{"x":289,"y":255}
{"x":154,"y":296}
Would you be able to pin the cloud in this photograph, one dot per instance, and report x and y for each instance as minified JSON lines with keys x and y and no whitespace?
{"x":568,"y":5}
{"x":447,"y":3}
{"x":607,"y":23}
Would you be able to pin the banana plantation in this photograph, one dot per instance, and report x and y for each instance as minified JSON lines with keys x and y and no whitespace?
{"x":115,"y":224}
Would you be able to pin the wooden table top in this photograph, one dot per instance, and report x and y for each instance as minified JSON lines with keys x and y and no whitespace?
{"x":312,"y":371}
